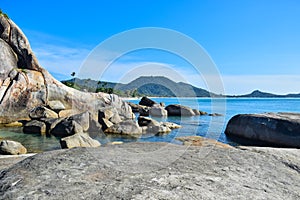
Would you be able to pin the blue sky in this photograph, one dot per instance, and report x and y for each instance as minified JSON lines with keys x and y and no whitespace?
{"x":254,"y":43}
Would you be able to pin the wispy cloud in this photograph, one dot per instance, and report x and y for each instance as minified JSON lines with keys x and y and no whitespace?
{"x":57,"y":55}
{"x":61,"y":58}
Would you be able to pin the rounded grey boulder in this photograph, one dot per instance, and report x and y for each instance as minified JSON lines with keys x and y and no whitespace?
{"x":273,"y":129}
{"x":8,"y":147}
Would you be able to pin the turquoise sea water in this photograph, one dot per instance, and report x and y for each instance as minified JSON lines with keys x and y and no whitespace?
{"x":212,"y":127}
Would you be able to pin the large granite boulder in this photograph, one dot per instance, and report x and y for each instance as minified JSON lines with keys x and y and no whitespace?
{"x":65,"y":127}
{"x":145,"y":101}
{"x":127,"y":127}
{"x":42,"y":112}
{"x":78,"y":140}
{"x":24,"y":84}
{"x":35,"y":127}
{"x":57,"y":106}
{"x":275,"y":129}
{"x":179,"y":110}
{"x":155,"y":171}
{"x":8,"y":147}
{"x":158,"y":111}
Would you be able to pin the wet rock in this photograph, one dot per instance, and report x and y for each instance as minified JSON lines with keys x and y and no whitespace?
{"x":8,"y":147}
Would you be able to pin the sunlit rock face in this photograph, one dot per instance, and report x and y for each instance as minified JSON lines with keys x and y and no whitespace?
{"x":25,"y":84}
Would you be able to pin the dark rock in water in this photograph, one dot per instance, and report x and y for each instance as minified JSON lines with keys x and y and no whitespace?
{"x":274,"y":129}
{"x":127,"y":127}
{"x":8,"y":147}
{"x":215,"y":115}
{"x":196,"y":112}
{"x":78,"y":140}
{"x":134,"y":107}
{"x":155,"y":171}
{"x":203,"y":112}
{"x":146,"y":121}
{"x":145,"y":111}
{"x":35,"y":126}
{"x":42,"y":112}
{"x":66,"y":127}
{"x":179,"y":110}
{"x":145,"y":101}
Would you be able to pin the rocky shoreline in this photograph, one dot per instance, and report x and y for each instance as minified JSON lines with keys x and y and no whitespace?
{"x":201,"y":168}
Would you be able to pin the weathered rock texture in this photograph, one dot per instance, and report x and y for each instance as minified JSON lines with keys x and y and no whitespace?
{"x":24,"y":84}
{"x":276,"y":129}
{"x":155,"y":171}
{"x":78,"y":140}
{"x":8,"y":147}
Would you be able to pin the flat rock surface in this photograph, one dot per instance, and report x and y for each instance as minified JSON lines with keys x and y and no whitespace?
{"x":155,"y":171}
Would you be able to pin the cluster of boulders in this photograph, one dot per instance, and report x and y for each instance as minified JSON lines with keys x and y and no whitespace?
{"x":148,"y":107}
{"x":75,"y":129}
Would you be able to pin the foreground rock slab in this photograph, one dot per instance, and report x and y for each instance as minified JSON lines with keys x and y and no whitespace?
{"x":274,"y":129}
{"x":155,"y":171}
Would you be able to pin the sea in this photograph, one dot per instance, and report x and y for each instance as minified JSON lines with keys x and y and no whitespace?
{"x":205,"y":126}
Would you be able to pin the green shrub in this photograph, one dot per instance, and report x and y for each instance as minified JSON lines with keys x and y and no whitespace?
{"x":3,"y":14}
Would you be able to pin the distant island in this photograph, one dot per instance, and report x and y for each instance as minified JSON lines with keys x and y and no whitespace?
{"x":158,"y":86}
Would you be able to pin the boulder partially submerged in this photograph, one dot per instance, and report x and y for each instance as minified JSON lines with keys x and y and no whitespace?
{"x":270,"y":129}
